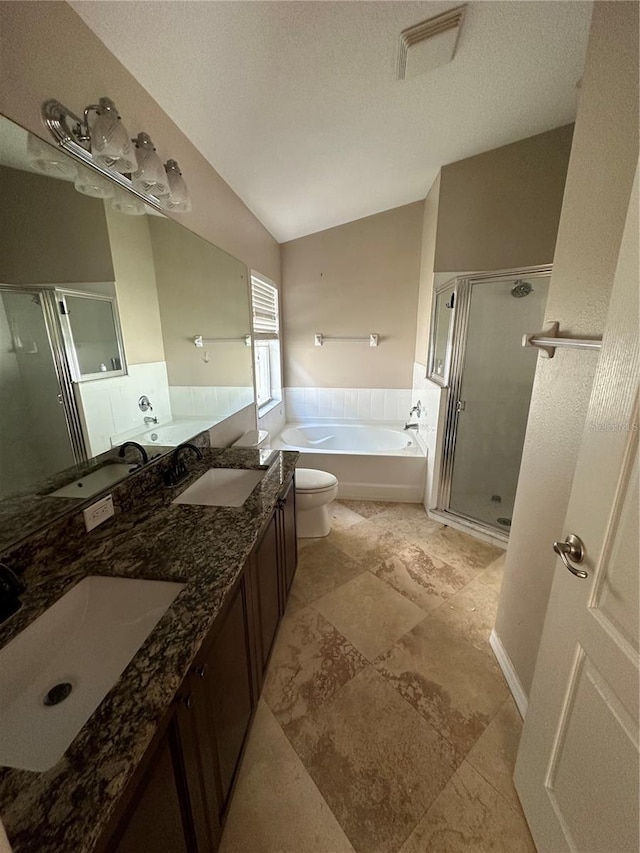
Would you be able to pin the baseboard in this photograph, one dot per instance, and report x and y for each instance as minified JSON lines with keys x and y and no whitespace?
{"x":504,"y":661}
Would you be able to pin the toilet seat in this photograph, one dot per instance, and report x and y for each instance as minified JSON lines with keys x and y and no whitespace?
{"x":311,"y":480}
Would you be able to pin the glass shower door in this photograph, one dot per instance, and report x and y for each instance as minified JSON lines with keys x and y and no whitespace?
{"x":34,"y":437}
{"x":494,"y":396}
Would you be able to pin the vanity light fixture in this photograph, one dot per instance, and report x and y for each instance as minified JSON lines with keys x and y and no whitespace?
{"x":100,"y":141}
{"x":149,"y":177}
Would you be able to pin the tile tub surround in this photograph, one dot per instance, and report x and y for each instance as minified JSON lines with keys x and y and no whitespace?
{"x":396,"y":770}
{"x":66,"y":808}
{"x":348,"y":404}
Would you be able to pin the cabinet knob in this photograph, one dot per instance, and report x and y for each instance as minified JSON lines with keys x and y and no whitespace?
{"x":187,"y":701}
{"x":200,"y":671}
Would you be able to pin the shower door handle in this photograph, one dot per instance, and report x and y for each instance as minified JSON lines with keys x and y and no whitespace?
{"x":460,"y":406}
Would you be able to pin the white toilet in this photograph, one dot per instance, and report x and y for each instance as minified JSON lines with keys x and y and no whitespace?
{"x":314,"y":492}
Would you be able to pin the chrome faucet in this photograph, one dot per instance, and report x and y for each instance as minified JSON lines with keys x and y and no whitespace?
{"x":416,"y":410}
{"x":149,"y":420}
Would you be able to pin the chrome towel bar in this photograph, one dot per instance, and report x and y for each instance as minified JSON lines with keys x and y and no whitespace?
{"x":199,"y":341}
{"x":319,"y":339}
{"x":548,"y":341}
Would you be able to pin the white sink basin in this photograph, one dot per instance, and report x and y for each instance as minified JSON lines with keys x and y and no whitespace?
{"x":95,"y":482}
{"x":221,"y":487}
{"x":84,"y":641}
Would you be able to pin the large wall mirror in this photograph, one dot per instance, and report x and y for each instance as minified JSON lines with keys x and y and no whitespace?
{"x":101,"y":302}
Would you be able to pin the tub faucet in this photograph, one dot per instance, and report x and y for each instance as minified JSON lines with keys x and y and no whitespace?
{"x":412,"y":426}
{"x":416,"y":410}
{"x":149,"y":420}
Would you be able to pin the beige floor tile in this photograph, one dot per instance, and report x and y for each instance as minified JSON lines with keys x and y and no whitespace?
{"x":367,"y":508}
{"x":423,"y":579}
{"x":276,"y":806}
{"x":376,"y":761}
{"x":310,"y":661}
{"x":366,"y":543}
{"x":460,"y":550}
{"x":469,"y":816}
{"x":494,"y":753}
{"x":369,"y":613}
{"x":321,"y":568}
{"x":342,"y":516}
{"x":472,"y":612}
{"x":453,"y":685}
{"x":493,"y":574}
{"x":407,"y":520}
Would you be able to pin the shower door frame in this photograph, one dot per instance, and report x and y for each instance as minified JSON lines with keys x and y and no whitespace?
{"x":62,"y":369}
{"x":456,"y":357}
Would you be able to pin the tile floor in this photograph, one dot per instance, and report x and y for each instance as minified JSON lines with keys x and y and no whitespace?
{"x":385,"y":725}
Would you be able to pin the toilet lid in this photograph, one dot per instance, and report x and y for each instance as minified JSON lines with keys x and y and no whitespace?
{"x":310,"y":480}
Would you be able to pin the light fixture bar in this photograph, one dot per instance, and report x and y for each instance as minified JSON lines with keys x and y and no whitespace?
{"x":56,"y":118}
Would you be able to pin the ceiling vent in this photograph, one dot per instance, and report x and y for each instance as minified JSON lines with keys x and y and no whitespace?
{"x":429,"y":44}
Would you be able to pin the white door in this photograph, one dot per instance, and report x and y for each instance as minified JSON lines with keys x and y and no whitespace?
{"x":577,"y":769}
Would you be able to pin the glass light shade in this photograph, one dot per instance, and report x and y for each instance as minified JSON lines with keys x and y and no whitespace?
{"x":150,"y":176}
{"x":110,"y":143}
{"x":92,"y":183}
{"x":126,"y":203}
{"x":178,"y":200}
{"x":49,"y":160}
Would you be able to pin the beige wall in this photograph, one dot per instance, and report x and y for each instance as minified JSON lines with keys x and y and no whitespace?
{"x":201,"y":291}
{"x":39,"y":245}
{"x":429,"y":232}
{"x":501,"y":209}
{"x":135,"y":286}
{"x":352,"y":280}
{"x":599,"y":181}
{"x":46,"y":51}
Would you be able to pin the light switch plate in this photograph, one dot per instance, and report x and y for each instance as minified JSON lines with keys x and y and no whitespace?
{"x":98,"y":512}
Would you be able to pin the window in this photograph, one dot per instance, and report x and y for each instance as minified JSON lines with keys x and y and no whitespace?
{"x":266,"y":331}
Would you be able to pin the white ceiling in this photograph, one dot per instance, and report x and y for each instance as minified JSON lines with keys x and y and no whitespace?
{"x":297,"y":105}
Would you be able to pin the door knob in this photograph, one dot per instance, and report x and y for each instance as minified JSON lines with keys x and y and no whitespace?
{"x":572,"y":549}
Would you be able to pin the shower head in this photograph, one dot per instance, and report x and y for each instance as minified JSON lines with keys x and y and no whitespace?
{"x":521,"y":288}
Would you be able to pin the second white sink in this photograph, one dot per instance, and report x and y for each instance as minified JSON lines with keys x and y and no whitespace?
{"x":221,"y":487}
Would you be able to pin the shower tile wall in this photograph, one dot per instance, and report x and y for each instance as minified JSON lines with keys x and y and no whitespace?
{"x":352,"y":404}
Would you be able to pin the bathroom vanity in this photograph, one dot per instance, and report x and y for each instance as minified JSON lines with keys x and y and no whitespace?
{"x":155,"y":766}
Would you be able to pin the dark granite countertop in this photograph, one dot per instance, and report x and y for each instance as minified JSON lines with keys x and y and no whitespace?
{"x":68,"y":807}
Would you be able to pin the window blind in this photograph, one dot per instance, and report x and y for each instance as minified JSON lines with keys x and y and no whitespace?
{"x":264,"y":301}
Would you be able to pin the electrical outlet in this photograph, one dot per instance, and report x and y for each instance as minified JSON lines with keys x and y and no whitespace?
{"x":98,"y":512}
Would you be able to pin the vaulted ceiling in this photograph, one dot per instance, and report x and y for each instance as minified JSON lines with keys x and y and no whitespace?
{"x":298,"y":106}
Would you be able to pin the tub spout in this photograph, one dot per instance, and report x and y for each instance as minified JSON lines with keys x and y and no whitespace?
{"x":412,"y":426}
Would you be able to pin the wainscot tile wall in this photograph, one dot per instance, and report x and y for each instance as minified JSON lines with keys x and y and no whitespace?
{"x":109,"y":407}
{"x":432,"y":398}
{"x":202,"y":401}
{"x":350,"y":404}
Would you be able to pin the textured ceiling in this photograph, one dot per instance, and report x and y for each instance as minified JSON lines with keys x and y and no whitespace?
{"x":297,"y":104}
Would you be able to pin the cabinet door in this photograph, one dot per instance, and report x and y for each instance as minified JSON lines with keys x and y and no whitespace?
{"x":158,"y":816}
{"x":289,"y":542}
{"x":223,"y":702}
{"x":266,"y":583}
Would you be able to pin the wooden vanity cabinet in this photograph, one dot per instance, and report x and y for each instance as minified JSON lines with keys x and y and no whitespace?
{"x":180,"y":794}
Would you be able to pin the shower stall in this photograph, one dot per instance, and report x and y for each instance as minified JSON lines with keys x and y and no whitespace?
{"x":476,"y":353}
